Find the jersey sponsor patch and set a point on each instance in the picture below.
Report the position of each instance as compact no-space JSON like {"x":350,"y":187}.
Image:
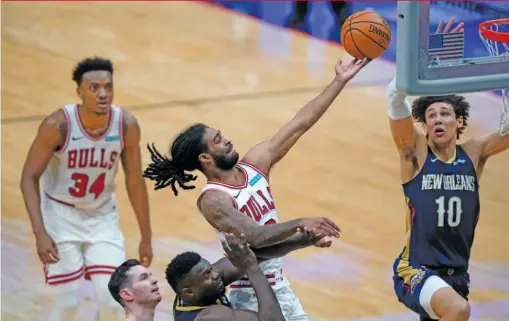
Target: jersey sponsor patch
{"x":255,"y":179}
{"x":113,"y":138}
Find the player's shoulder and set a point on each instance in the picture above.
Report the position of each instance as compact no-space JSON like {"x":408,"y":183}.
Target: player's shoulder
{"x":127,"y":117}
{"x":57,"y":119}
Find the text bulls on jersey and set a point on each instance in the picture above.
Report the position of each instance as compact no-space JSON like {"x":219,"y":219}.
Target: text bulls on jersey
{"x":259,"y":204}
{"x":91,"y":158}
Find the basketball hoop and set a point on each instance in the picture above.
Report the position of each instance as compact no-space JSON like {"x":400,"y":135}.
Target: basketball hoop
{"x":497,"y":44}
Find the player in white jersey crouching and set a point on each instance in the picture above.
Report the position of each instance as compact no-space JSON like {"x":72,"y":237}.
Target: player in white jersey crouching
{"x":74,"y":217}
{"x":237,"y":197}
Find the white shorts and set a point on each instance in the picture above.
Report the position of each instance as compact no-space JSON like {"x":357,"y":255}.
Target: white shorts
{"x":87,"y":243}
{"x":245,"y":298}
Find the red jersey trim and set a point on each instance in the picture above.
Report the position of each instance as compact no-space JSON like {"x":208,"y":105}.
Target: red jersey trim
{"x":80,"y":124}
{"x":254,"y":167}
{"x":67,"y":134}
{"x":241,"y":186}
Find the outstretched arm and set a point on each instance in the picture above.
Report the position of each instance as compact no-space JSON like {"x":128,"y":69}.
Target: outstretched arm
{"x":135,"y":185}
{"x":219,"y":211}
{"x":480,"y":149}
{"x":268,"y":153}
{"x":404,"y":133}
{"x":493,"y":144}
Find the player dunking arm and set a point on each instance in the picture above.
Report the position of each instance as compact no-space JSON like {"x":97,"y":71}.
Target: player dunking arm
{"x":237,"y":197}
{"x":440,"y":181}
{"x":73,"y":214}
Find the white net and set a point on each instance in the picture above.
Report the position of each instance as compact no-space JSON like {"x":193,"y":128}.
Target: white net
{"x":497,"y":49}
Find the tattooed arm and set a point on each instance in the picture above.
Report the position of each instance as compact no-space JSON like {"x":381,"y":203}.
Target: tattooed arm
{"x":221,"y":214}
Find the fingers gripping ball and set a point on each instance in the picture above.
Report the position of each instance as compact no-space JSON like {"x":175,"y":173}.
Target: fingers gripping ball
{"x":365,"y":34}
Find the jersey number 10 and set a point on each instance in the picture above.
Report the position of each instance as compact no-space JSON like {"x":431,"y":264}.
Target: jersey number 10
{"x":453,"y":211}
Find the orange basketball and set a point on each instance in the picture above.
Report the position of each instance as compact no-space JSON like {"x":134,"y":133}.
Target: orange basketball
{"x":365,"y":34}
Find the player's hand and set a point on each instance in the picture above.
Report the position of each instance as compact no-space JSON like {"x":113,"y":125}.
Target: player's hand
{"x":441,"y":29}
{"x":145,"y":251}
{"x":238,"y":251}
{"x":46,"y":248}
{"x":345,"y":72}
{"x":315,"y":238}
{"x":319,"y":226}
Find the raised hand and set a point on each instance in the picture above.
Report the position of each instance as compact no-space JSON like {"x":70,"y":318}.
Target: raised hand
{"x":238,"y":251}
{"x":319,"y":226}
{"x":441,"y":29}
{"x":345,"y":72}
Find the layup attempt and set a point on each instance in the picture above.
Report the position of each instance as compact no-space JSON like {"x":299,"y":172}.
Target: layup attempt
{"x":237,"y":198}
{"x":441,"y":185}
{"x":74,"y":216}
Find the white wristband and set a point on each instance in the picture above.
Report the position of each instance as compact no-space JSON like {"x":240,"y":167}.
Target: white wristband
{"x":398,"y":106}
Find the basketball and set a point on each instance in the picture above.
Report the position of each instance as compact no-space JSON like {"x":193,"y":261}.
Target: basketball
{"x":365,"y":34}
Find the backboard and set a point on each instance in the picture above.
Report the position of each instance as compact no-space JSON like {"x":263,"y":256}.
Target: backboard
{"x":423,"y":69}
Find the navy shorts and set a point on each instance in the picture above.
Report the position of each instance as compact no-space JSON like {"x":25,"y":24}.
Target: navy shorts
{"x":408,"y":294}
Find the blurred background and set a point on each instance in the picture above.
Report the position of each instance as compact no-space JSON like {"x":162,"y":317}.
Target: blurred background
{"x":245,"y":68}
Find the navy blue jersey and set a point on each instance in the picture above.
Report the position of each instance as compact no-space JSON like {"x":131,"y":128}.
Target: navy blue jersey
{"x":443,"y":208}
{"x":188,"y":312}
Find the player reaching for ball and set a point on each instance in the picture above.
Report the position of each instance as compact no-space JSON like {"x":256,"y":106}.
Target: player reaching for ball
{"x":238,"y":196}
{"x":441,"y":186}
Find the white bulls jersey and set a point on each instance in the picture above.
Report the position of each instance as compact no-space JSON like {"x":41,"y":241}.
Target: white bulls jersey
{"x":254,"y":199}
{"x":82,"y":173}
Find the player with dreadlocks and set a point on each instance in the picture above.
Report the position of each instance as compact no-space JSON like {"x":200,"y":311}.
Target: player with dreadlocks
{"x":237,"y":198}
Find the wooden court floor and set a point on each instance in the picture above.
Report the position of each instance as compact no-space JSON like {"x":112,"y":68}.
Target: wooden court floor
{"x":247,"y":79}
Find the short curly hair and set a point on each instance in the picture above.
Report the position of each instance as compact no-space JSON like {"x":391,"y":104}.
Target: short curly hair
{"x":459,"y":104}
{"x":91,"y":64}
{"x":179,"y":267}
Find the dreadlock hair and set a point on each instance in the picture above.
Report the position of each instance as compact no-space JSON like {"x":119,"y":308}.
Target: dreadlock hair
{"x":179,"y":267}
{"x":120,"y":280}
{"x":185,"y":150}
{"x":459,"y":104}
{"x":90,"y":64}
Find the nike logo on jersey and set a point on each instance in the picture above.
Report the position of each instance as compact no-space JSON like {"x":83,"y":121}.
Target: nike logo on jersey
{"x":77,"y":138}
{"x":434,"y":159}
{"x":237,"y":194}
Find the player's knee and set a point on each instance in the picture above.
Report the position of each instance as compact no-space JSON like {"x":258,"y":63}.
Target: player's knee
{"x":102,"y":294}
{"x":460,"y":310}
{"x":65,"y":295}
